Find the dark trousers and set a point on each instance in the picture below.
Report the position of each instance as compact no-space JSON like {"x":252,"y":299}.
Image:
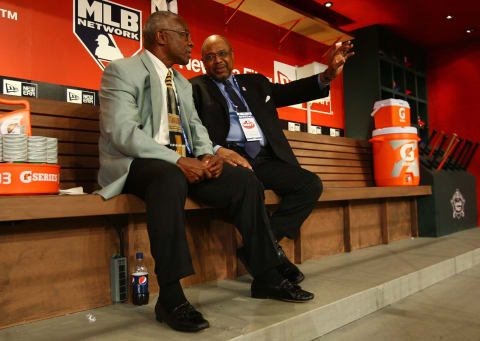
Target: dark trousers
{"x":298,"y":187}
{"x":164,"y":188}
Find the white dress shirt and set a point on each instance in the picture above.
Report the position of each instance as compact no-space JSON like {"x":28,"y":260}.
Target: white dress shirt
{"x":163,"y":135}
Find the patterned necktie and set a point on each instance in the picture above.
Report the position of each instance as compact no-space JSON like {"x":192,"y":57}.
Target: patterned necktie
{"x":252,"y":148}
{"x":177,"y":140}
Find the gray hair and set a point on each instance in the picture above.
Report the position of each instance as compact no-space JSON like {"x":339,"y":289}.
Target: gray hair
{"x":154,"y":23}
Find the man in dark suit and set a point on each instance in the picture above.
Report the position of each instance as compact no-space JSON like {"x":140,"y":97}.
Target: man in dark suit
{"x":240,"y":115}
{"x":153,"y":145}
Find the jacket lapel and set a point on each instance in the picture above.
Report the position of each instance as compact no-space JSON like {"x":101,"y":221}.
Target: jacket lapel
{"x":248,"y":95}
{"x":217,"y":94}
{"x":155,"y":91}
{"x":245,"y":93}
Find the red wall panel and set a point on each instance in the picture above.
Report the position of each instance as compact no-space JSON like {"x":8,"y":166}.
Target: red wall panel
{"x":453,"y":86}
{"x":41,"y":46}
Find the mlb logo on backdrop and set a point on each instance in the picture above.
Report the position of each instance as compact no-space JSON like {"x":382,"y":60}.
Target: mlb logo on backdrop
{"x":107,"y":30}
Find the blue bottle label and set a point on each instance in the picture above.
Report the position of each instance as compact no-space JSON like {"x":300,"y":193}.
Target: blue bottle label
{"x":140,"y":283}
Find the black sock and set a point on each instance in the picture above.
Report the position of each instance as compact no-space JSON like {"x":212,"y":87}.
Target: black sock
{"x":271,"y":276}
{"x":171,"y":295}
{"x":278,"y":236}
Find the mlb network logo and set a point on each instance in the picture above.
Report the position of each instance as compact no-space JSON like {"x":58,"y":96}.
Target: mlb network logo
{"x":80,"y":96}
{"x":108,"y":30}
{"x":17,"y":88}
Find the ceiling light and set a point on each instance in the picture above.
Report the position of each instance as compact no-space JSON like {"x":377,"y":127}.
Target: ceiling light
{"x":329,"y":4}
{"x":470,"y":30}
{"x":450,"y":17}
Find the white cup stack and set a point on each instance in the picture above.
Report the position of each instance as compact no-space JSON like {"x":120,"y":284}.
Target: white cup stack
{"x":52,"y":150}
{"x":37,"y":149}
{"x":15,"y":147}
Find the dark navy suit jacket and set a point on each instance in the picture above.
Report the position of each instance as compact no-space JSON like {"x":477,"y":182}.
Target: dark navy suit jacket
{"x":263,"y":98}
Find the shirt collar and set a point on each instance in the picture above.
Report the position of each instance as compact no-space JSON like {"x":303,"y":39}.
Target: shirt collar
{"x":230,"y":79}
{"x":162,"y":70}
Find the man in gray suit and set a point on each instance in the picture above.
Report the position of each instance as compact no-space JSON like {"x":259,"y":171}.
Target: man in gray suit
{"x":153,"y":145}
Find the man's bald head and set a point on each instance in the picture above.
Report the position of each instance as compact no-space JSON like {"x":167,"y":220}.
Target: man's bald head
{"x":217,"y":57}
{"x":212,"y":39}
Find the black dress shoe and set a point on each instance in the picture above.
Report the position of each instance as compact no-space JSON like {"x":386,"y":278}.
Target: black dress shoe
{"x":183,"y":318}
{"x":285,"y":291}
{"x":287,"y":269}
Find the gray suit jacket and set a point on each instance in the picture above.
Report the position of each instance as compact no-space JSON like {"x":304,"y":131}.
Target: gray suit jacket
{"x":130,"y":102}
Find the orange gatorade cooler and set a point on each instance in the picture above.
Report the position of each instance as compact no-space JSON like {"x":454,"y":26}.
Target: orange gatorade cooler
{"x":18,"y":121}
{"x":395,"y":156}
{"x":29,"y":178}
{"x":391,"y":113}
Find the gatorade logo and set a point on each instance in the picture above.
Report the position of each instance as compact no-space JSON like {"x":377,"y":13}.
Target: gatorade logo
{"x":402,"y":114}
{"x":404,"y":157}
{"x":406,"y":152}
{"x":108,"y":30}
{"x":26,"y":177}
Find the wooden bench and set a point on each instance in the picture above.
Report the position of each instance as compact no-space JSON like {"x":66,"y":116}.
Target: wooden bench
{"x":37,"y":231}
{"x":343,"y":164}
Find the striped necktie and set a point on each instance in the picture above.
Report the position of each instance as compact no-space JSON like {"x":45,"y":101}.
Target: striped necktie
{"x":177,"y":140}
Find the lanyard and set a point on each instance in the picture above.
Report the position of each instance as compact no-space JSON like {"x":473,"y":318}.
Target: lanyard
{"x":240,"y":96}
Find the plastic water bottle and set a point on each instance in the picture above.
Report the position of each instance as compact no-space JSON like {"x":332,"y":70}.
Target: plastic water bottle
{"x":140,"y":281}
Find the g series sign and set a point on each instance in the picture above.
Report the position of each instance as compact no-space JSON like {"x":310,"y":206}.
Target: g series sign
{"x":107,"y":30}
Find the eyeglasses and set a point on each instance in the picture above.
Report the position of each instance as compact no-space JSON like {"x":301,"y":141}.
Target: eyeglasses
{"x":212,"y":56}
{"x":183,"y":33}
